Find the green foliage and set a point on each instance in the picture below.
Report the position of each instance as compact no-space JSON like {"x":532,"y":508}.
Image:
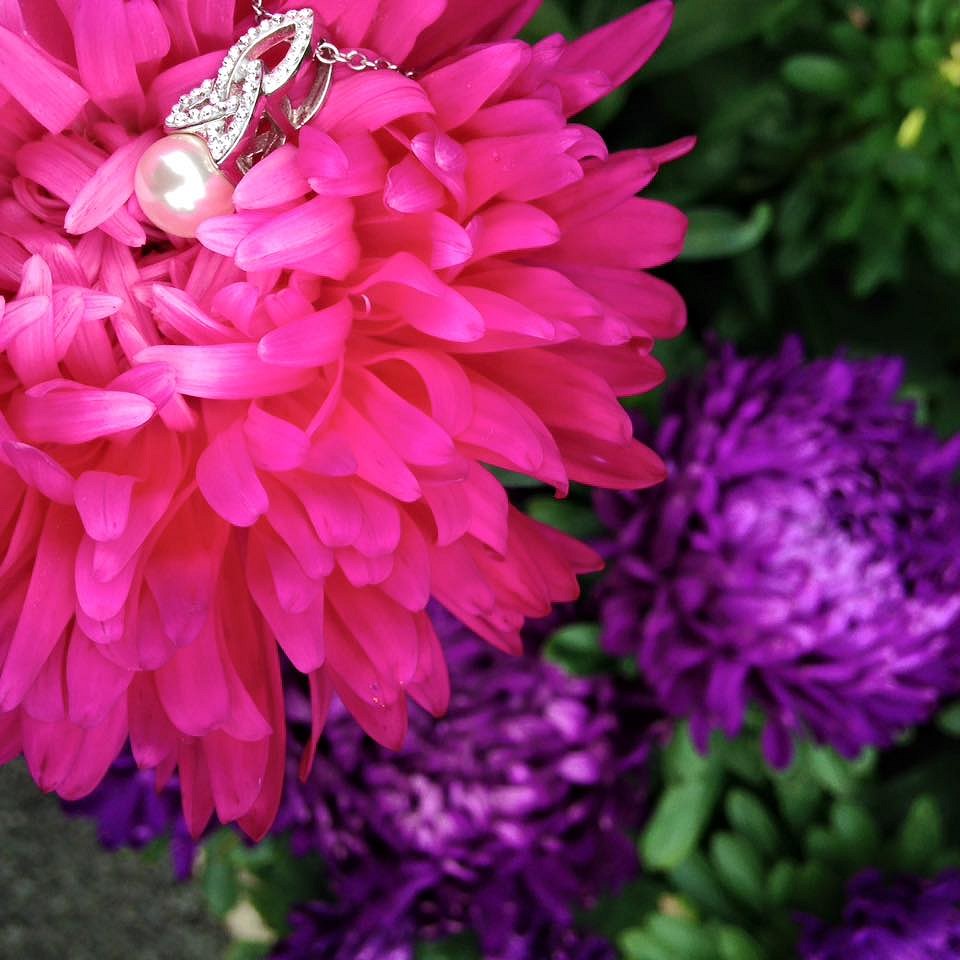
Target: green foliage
{"x":739,"y":848}
{"x":265,"y":877}
{"x":455,"y":948}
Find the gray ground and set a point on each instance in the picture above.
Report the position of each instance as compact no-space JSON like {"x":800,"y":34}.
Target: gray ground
{"x":63,"y":898}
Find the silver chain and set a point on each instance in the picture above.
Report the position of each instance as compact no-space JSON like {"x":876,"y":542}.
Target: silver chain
{"x":330,"y":54}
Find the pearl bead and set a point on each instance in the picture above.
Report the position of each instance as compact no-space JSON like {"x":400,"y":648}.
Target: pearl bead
{"x":179,"y":186}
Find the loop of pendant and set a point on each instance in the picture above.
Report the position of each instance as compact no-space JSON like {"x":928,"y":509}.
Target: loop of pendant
{"x":246,"y":112}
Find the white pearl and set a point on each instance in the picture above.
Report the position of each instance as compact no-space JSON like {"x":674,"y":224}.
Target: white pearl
{"x":179,"y":186}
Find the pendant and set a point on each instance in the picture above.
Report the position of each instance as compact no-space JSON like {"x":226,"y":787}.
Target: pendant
{"x":218,"y":131}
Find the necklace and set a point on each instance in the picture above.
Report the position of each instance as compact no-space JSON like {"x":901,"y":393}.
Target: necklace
{"x":218,"y":131}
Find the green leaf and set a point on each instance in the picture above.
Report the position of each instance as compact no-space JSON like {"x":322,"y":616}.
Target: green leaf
{"x":698,"y":31}
{"x":683,"y":936}
{"x":715,"y":233}
{"x":781,"y":882}
{"x":749,"y":817}
{"x":573,"y":518}
{"x":818,"y":74}
{"x":831,"y":771}
{"x":696,"y":879}
{"x":456,"y":948}
{"x":514,"y":481}
{"x":220,"y":885}
{"x":683,"y":761}
{"x":921,"y":836}
{"x":857,"y":832}
{"x":551,"y":18}
{"x":736,"y":944}
{"x":948,"y":719}
{"x":678,"y":822}
{"x":638,"y":944}
{"x":241,"y":950}
{"x":800,"y":797}
{"x":576,"y":649}
{"x":817,"y":887}
{"x":739,"y":868}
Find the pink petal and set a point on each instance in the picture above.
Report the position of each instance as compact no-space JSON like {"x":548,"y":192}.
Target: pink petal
{"x":192,"y":687}
{"x":51,"y":97}
{"x":20,"y":315}
{"x":467,"y":22}
{"x":47,"y":608}
{"x":195,"y":787}
{"x":274,"y":444}
{"x":314,"y":236}
{"x":226,"y":371}
{"x":66,"y":412}
{"x":237,"y":772}
{"x":100,"y":599}
{"x":507,"y":227}
{"x":228,"y":479}
{"x":103,"y":502}
{"x":461,"y":88}
{"x":651,"y":304}
{"x":311,"y":342}
{"x":148,"y":32}
{"x":430,"y":685}
{"x":408,"y":287}
{"x":39,"y":470}
{"x":105,"y":58}
{"x":371,"y":101}
{"x":300,"y":634}
{"x":178,"y":313}
{"x":224,"y":235}
{"x":109,"y":188}
{"x":408,"y":582}
{"x":275,"y":180}
{"x":642,"y":233}
{"x":181,"y":572}
{"x":94,"y":684}
{"x":616,"y":51}
{"x":414,"y":435}
{"x":152,"y":736}
{"x":386,"y":632}
{"x":433,"y":238}
{"x":610,"y":466}
{"x":46,"y":699}
{"x":377,"y":462}
{"x":410,"y":188}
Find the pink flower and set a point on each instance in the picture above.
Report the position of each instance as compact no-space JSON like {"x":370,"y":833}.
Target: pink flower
{"x":278,"y":437}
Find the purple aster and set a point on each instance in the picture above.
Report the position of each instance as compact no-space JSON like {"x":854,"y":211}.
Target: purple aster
{"x":129,"y":811}
{"x":904,"y":918}
{"x":501,"y":819}
{"x":803,"y":555}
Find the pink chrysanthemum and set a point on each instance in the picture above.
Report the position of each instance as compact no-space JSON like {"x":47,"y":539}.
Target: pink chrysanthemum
{"x":277,"y":437}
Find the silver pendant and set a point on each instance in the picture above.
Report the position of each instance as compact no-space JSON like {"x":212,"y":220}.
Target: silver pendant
{"x":244,"y":113}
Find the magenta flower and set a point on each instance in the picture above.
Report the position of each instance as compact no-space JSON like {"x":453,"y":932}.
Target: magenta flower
{"x":803,"y":555}
{"x":277,"y":437}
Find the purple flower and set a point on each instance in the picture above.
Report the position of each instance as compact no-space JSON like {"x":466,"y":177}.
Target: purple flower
{"x":501,"y":819}
{"x":129,"y":811}
{"x":904,"y":918}
{"x":803,"y":555}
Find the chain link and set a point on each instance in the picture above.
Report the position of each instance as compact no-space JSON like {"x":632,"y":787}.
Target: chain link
{"x":330,"y":54}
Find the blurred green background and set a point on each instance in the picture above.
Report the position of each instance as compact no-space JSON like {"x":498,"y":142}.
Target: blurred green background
{"x":824,"y":193}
